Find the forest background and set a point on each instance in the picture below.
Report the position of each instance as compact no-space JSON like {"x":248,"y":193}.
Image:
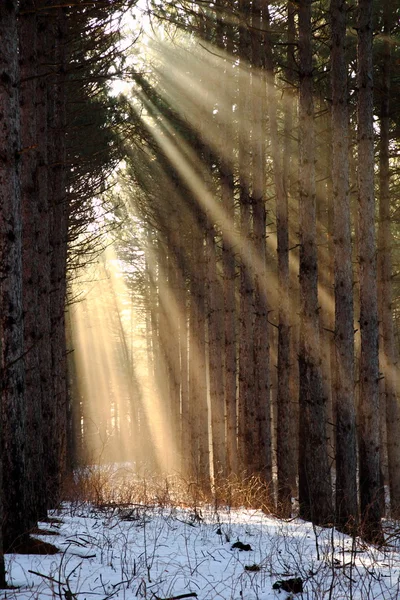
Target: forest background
{"x":198,"y":275}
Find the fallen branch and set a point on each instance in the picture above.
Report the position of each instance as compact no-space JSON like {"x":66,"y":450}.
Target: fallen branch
{"x":46,"y":577}
{"x":190,"y":595}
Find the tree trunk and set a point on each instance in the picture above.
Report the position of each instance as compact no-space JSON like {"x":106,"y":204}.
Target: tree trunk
{"x":58,"y":235}
{"x":30,"y":258}
{"x":15,"y":523}
{"x":285,"y":448}
{"x":287,"y":425}
{"x":43,"y":229}
{"x":247,"y":435}
{"x":228,"y":261}
{"x":315,"y":493}
{"x":389,"y":356}
{"x":346,"y":448}
{"x":197,"y":362}
{"x":369,"y":450}
{"x":173,"y":341}
{"x":215,"y":359}
{"x":185,"y":437}
{"x":263,"y":465}
{"x":162,"y":362}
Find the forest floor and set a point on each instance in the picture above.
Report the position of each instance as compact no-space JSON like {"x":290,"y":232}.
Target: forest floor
{"x":155,"y":551}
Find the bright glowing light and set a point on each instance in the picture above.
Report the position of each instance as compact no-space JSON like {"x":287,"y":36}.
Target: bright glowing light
{"x":129,"y":358}
{"x":124,"y":417}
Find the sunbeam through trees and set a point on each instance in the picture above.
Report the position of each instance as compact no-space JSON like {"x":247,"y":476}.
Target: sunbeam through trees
{"x":199,"y":234}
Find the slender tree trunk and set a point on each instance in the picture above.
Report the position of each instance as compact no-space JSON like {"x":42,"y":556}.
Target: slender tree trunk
{"x":287,"y":434}
{"x":75,"y":447}
{"x":185,"y":436}
{"x":15,"y":523}
{"x":30,"y":258}
{"x":58,"y":235}
{"x":315,"y":493}
{"x":215,"y":358}
{"x":285,"y":455}
{"x":11,"y":325}
{"x":346,"y":450}
{"x":261,"y":331}
{"x":246,"y":409}
{"x":389,"y":355}
{"x":369,"y":444}
{"x":197,"y":362}
{"x":325,"y":273}
{"x":43,"y":246}
{"x":229,"y":262}
{"x":162,"y":366}
{"x":173,"y":342}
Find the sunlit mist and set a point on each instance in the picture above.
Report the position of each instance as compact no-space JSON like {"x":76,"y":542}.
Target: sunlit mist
{"x":122,"y":415}
{"x":141,"y":351}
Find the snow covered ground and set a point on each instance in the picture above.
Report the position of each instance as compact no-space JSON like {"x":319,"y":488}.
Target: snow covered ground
{"x":149,"y":552}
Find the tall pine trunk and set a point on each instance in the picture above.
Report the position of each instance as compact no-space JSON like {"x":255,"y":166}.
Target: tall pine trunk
{"x":30,"y":258}
{"x":58,"y":234}
{"x":246,"y":408}
{"x":263,"y":464}
{"x":287,"y":426}
{"x":15,"y":522}
{"x":43,"y":246}
{"x":369,"y":442}
{"x":346,"y":450}
{"x":389,"y":355}
{"x":215,"y":325}
{"x":315,"y":494}
{"x":285,"y":455}
{"x":228,"y":255}
{"x":198,"y":419}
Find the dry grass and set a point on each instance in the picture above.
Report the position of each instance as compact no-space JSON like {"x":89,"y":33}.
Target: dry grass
{"x":108,"y":485}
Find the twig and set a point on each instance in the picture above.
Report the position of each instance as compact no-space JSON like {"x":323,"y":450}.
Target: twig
{"x":190,"y":595}
{"x":46,"y":577}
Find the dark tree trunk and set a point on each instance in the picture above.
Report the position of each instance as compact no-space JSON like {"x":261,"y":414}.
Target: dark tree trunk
{"x":30,"y":259}
{"x":287,"y":426}
{"x":389,"y":354}
{"x":55,"y":401}
{"x":43,"y":249}
{"x":15,"y":521}
{"x":197,"y":361}
{"x":346,"y":450}
{"x":263,"y":466}
{"x":228,"y":258}
{"x":247,"y":433}
{"x":369,"y":442}
{"x":285,"y":454}
{"x":315,"y":493}
{"x":215,"y":323}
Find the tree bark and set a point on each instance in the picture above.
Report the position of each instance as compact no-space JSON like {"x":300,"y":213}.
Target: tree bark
{"x":263,"y":465}
{"x":30,"y":258}
{"x":58,"y":236}
{"x":389,"y":355}
{"x":15,"y":522}
{"x":215,"y":359}
{"x":315,"y":494}
{"x":369,"y":443}
{"x":285,"y":448}
{"x":346,"y":448}
{"x":43,"y":248}
{"x":228,"y":255}
{"x":247,"y":434}
{"x":287,"y":427}
{"x":197,"y":362}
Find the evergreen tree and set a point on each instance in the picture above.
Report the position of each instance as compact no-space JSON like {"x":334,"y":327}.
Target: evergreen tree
{"x":369,"y":443}
{"x":315,"y":494}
